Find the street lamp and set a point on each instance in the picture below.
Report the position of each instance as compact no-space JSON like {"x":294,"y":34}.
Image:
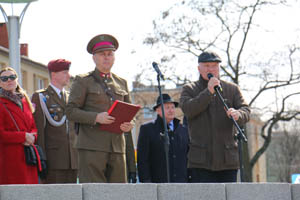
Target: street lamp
{"x":14,"y":25}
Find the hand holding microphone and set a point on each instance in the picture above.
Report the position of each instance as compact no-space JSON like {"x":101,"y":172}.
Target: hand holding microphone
{"x":213,"y":84}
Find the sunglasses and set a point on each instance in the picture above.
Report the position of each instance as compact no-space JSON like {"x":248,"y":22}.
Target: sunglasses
{"x":5,"y":78}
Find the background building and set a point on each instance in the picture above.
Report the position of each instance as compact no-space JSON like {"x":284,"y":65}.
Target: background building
{"x":34,"y":74}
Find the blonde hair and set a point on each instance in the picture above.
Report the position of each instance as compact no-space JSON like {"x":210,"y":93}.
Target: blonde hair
{"x":19,"y":88}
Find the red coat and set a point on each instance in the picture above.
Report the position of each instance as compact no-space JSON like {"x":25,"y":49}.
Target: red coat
{"x":13,"y":169}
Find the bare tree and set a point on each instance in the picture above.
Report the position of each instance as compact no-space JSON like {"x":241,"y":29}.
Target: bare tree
{"x":191,"y":27}
{"x":283,"y":153}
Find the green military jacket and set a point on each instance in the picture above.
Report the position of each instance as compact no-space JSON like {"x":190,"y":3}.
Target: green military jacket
{"x":87,"y":99}
{"x":56,"y":141}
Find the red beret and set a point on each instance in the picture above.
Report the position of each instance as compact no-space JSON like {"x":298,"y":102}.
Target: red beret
{"x":58,"y":65}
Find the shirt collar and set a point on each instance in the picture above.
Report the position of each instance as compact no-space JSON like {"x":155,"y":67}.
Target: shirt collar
{"x":171,"y":125}
{"x":56,"y":89}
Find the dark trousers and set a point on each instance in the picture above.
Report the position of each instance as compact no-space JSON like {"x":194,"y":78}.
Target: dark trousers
{"x":207,"y":176}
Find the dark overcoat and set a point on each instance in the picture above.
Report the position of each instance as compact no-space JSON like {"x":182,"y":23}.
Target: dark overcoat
{"x":151,"y":153}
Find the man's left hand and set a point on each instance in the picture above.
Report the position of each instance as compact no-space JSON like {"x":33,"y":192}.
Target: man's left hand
{"x":126,"y":126}
{"x":235,"y":114}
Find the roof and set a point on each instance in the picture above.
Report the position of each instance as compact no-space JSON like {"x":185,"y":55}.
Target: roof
{"x":24,"y":59}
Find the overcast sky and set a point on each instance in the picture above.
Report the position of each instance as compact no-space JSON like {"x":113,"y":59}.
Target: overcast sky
{"x":62,"y":28}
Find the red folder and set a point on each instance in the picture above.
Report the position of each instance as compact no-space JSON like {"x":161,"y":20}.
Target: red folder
{"x":122,"y":112}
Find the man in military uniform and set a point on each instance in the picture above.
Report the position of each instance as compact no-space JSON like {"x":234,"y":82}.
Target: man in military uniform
{"x":102,"y":155}
{"x":55,"y":133}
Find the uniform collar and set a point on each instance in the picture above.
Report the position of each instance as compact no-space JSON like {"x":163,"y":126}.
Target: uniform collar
{"x":57,"y":90}
{"x":105,"y":75}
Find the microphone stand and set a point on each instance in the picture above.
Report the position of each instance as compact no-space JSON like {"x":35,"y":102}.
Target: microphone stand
{"x":165,"y":134}
{"x":240,"y":136}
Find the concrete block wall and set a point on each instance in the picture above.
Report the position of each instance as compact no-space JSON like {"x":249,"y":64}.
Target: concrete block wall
{"x":195,"y":191}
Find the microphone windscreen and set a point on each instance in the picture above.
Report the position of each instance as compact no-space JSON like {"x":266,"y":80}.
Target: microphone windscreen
{"x":209,"y":75}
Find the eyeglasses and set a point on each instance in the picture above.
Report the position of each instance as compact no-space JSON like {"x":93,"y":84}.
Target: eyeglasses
{"x":5,"y":78}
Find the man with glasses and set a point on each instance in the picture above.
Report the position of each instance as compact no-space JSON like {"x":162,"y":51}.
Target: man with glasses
{"x":102,"y":155}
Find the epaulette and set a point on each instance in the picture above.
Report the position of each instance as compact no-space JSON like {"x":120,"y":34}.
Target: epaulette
{"x":41,"y":90}
{"x":86,"y":74}
{"x":118,"y":77}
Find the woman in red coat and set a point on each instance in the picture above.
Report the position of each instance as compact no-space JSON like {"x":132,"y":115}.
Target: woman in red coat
{"x":15,"y":104}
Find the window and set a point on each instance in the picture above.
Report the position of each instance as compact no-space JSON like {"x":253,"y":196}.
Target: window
{"x":40,"y":83}
{"x":148,"y":112}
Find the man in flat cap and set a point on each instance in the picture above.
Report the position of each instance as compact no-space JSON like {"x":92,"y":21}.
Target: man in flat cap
{"x":213,"y":155}
{"x":56,"y":134}
{"x":152,"y":166}
{"x":102,"y":154}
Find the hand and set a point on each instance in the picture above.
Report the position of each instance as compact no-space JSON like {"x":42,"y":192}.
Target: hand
{"x":26,"y":144}
{"x":212,"y":83}
{"x":29,"y":139}
{"x":126,"y":126}
{"x":132,"y":177}
{"x":235,"y":114}
{"x":104,"y":118}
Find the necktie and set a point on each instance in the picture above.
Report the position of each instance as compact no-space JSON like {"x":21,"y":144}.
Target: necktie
{"x":62,"y":95}
{"x":170,"y":125}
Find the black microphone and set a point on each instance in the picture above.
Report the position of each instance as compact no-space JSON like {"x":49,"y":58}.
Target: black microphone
{"x":155,"y":66}
{"x":217,"y":87}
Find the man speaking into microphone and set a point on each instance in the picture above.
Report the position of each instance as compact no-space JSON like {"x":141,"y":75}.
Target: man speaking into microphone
{"x":213,"y":154}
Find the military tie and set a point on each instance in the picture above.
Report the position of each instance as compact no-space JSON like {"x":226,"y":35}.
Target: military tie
{"x":62,"y":95}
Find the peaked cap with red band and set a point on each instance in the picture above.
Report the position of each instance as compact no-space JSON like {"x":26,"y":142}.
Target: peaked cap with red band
{"x":102,"y":42}
{"x":58,"y":65}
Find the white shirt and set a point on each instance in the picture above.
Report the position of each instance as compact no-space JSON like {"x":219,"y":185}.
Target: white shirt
{"x":57,"y":90}
{"x":171,"y":125}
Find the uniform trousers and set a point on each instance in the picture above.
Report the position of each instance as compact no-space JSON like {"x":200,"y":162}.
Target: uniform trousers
{"x":61,"y":176}
{"x":101,"y":167}
{"x":197,"y":175}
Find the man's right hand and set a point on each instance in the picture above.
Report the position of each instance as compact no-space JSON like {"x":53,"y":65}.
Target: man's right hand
{"x":104,"y":118}
{"x":212,"y":83}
